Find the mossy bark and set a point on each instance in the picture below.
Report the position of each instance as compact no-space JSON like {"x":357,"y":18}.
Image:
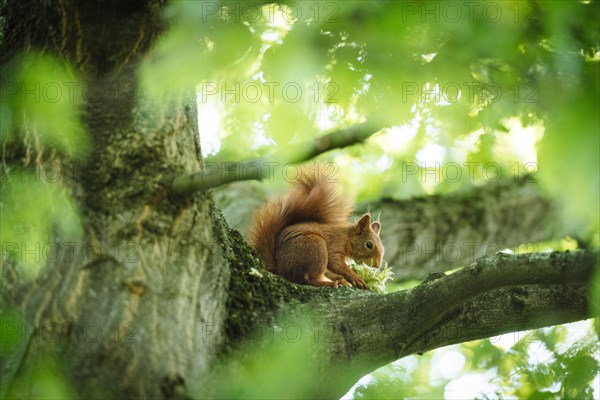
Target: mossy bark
{"x":136,"y":307}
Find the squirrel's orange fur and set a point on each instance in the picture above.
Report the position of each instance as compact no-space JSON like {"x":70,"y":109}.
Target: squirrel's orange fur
{"x":305,"y":236}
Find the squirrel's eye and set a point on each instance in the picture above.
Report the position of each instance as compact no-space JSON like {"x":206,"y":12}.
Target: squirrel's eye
{"x":369,"y":245}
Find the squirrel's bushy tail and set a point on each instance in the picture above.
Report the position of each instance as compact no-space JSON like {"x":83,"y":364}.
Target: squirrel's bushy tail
{"x":312,"y":199}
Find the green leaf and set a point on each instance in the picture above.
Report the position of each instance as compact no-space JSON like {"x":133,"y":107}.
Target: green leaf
{"x":485,"y":354}
{"x":556,"y":335}
{"x":581,"y":370}
{"x":202,"y":42}
{"x":42,"y":96}
{"x":35,"y":212}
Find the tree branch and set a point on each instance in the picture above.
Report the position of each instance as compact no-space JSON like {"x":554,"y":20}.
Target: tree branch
{"x":356,"y":331}
{"x":435,"y":233}
{"x":525,"y":291}
{"x":507,"y":310}
{"x":216,"y":175}
{"x":500,"y":270}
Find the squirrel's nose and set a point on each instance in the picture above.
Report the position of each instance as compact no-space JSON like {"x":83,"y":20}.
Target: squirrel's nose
{"x":375,"y":264}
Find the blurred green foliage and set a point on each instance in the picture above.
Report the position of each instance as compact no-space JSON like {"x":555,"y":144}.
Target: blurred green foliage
{"x":40,"y":110}
{"x":34,"y":212}
{"x":43,"y":379}
{"x":549,"y":363}
{"x":467,"y":89}
{"x":42,"y":96}
{"x":11,"y":331}
{"x":279,"y":363}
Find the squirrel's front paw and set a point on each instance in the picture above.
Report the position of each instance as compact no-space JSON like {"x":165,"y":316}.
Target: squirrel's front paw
{"x":357,"y":281}
{"x":344,"y":282}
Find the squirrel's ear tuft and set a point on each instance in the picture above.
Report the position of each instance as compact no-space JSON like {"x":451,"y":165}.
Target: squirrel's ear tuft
{"x":363,"y":223}
{"x":376,"y":226}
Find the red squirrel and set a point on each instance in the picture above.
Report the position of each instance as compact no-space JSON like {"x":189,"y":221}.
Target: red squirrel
{"x":305,"y":236}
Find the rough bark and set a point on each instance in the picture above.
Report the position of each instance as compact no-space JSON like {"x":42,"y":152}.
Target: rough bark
{"x":149,"y":276}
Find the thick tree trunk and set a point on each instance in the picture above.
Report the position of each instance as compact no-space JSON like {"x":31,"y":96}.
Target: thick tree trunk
{"x":133,"y":308}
